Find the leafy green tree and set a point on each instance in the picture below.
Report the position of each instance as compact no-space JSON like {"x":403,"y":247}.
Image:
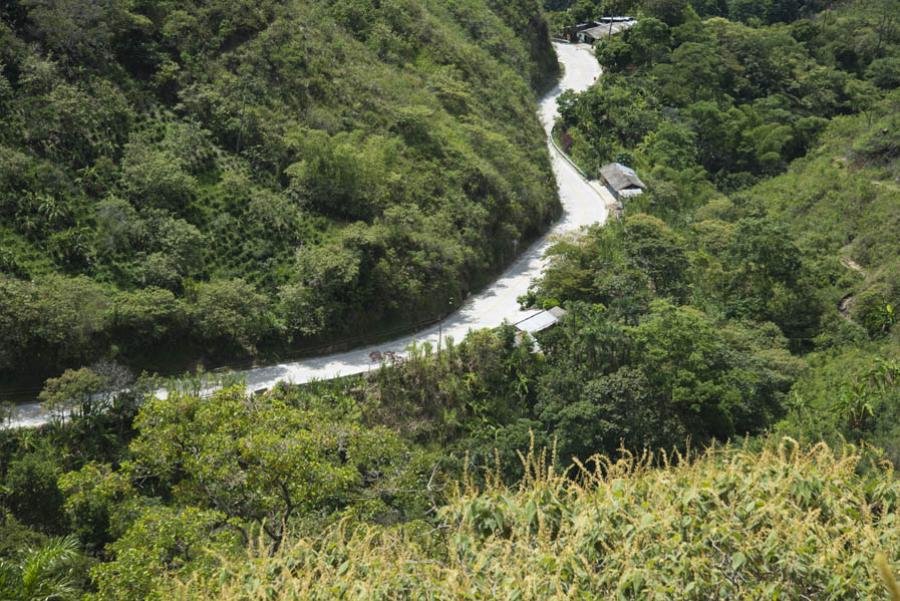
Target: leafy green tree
{"x":873,"y":309}
{"x":80,"y":30}
{"x":657,"y":250}
{"x":884,"y":72}
{"x":30,"y":489}
{"x":149,"y":315}
{"x":231,"y":313}
{"x":650,"y":40}
{"x":162,"y":541}
{"x":344,"y":176}
{"x":51,"y":321}
{"x":96,"y":504}
{"x":677,"y":374}
{"x":768,"y":280}
{"x":258,"y":461}
{"x":710,"y":8}
{"x":324,"y":278}
{"x":120,"y":229}
{"x":671,"y":12}
{"x":688,"y":363}
{"x":156,"y":178}
{"x":613,"y":411}
{"x":747,"y":10}
{"x":75,"y":394}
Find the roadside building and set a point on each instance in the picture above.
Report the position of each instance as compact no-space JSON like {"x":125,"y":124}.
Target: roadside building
{"x":540,"y":321}
{"x":604,"y":28}
{"x":621,"y":181}
{"x":592,"y":35}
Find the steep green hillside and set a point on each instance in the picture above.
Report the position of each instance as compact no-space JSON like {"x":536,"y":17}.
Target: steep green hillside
{"x":842,"y":204}
{"x":843,"y":200}
{"x":783,"y":523}
{"x":230,"y":175}
{"x":770,"y":152}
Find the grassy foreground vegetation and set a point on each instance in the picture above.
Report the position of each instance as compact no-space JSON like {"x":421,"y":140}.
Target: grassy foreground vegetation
{"x":779,"y":522}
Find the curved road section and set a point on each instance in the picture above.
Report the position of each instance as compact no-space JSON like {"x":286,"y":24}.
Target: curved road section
{"x":583,"y":204}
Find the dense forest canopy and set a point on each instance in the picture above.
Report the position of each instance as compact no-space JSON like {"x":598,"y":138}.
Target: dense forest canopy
{"x":749,"y":294}
{"x":234,"y":175}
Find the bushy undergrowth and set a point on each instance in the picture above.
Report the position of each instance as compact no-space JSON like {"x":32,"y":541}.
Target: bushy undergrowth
{"x":733,"y":523}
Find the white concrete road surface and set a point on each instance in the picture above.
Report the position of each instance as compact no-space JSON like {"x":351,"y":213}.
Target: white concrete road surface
{"x":583,"y":204}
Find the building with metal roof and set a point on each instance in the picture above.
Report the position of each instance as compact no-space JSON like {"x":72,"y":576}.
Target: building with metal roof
{"x":541,"y":320}
{"x":621,"y":181}
{"x":606,"y":27}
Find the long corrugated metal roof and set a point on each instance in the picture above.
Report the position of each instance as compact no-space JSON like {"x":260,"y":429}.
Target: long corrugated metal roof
{"x":540,"y":321}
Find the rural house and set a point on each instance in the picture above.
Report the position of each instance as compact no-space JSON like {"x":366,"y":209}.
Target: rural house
{"x":621,"y":181}
{"x":604,"y":28}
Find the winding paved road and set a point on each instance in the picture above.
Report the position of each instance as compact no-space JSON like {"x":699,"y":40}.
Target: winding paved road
{"x":584,"y":203}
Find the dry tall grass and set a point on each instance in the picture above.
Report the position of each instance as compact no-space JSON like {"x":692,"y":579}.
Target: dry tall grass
{"x":783,"y":523}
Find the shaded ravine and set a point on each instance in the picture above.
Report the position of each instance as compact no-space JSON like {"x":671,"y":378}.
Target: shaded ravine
{"x":583,"y":204}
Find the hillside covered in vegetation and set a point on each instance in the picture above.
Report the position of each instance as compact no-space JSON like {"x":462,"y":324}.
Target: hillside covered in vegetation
{"x":714,"y":416}
{"x":220,"y":177}
{"x":771,"y":154}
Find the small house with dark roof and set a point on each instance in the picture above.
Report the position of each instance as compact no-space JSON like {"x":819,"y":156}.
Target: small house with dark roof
{"x":621,"y":181}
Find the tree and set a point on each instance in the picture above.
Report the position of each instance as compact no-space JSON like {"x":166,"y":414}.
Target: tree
{"x":884,"y":72}
{"x":715,"y":379}
{"x":325,"y":280}
{"x":261,"y":462}
{"x":181,"y":243}
{"x":30,"y":489}
{"x":616,"y":410}
{"x":96,"y":503}
{"x":748,"y":10}
{"x":156,"y":178}
{"x":162,"y":541}
{"x":148,"y":316}
{"x":342,"y":176}
{"x":75,"y":394}
{"x":51,"y":321}
{"x":232,"y":313}
{"x":657,"y":250}
{"x":119,"y":228}
{"x":768,"y":280}
{"x":670,"y":12}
